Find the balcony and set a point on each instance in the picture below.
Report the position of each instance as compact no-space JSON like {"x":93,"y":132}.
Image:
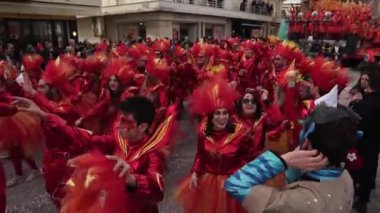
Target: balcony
{"x":95,"y":3}
{"x":64,"y":8}
{"x":220,"y":8}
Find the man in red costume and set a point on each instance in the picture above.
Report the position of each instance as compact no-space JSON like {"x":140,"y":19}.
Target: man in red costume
{"x":138,"y":158}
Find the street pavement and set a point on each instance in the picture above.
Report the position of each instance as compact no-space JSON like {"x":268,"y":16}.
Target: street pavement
{"x":31,"y":197}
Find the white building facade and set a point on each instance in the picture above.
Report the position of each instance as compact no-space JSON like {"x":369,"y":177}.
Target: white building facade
{"x":175,"y":19}
{"x":123,"y":19}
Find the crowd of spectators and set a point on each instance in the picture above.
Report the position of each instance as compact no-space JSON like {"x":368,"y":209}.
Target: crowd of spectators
{"x":257,"y":6}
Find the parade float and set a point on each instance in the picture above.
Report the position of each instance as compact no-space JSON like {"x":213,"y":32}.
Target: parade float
{"x":321,"y":25}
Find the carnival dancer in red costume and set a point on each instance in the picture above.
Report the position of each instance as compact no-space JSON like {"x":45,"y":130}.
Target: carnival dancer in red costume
{"x":234,"y":53}
{"x":246,"y":67}
{"x":184,"y":77}
{"x":155,"y":87}
{"x":91,"y":69}
{"x":299,"y":93}
{"x":201,"y":58}
{"x":20,"y":135}
{"x":249,"y":110}
{"x":119,"y":75}
{"x":138,"y":160}
{"x":54,"y":95}
{"x":161,"y":47}
{"x":33,"y":66}
{"x":223,"y":146}
{"x":220,"y":64}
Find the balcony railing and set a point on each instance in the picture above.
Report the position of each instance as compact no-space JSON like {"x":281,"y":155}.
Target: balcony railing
{"x":264,"y":9}
{"x":205,"y":3}
{"x":230,"y":5}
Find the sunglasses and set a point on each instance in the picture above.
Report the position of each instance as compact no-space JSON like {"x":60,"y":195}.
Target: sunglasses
{"x":248,"y":101}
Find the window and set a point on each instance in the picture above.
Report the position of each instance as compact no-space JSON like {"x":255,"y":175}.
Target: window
{"x":42,"y":30}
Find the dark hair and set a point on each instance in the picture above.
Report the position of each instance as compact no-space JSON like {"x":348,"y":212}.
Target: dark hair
{"x":210,"y":126}
{"x":239,"y":107}
{"x":372,"y":70}
{"x":374,"y":79}
{"x":334,"y":139}
{"x":140,"y":107}
{"x":118,"y":92}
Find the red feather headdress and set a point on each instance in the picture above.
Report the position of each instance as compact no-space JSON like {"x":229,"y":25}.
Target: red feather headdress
{"x":158,"y":68}
{"x":179,"y":51}
{"x":58,"y":73}
{"x":121,"y":69}
{"x":138,"y":51}
{"x":120,"y":50}
{"x":326,"y":74}
{"x":233,"y":41}
{"x":101,"y":47}
{"x":289,"y":51}
{"x":248,"y":44}
{"x":32,"y":63}
{"x":91,"y":64}
{"x":161,"y":45}
{"x":202,"y":49}
{"x":211,"y":95}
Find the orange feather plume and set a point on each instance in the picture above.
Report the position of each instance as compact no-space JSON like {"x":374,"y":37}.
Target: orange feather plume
{"x":213,"y":94}
{"x":94,"y":186}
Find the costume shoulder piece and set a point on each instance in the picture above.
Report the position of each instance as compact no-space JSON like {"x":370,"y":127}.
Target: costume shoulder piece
{"x":161,"y":138}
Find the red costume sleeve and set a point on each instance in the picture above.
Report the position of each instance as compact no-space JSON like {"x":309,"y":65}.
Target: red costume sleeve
{"x":64,"y":110}
{"x":78,"y":137}
{"x":15,"y":89}
{"x":7,"y":109}
{"x":198,"y":164}
{"x":99,"y":108}
{"x":255,"y":145}
{"x":162,"y":97}
{"x":150,"y":185}
{"x":290,"y":111}
{"x":274,"y":115}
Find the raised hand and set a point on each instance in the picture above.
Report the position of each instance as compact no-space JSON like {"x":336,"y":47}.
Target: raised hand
{"x":307,"y":160}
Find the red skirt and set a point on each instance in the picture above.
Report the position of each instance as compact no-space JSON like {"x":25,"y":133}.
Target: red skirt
{"x":21,"y":129}
{"x":209,"y":197}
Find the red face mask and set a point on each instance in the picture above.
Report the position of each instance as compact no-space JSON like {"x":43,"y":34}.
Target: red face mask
{"x":126,"y":122}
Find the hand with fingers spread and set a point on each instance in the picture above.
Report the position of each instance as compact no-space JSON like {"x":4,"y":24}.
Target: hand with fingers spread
{"x":307,"y":160}
{"x":122,"y":169}
{"x":27,"y":86}
{"x":27,"y":105}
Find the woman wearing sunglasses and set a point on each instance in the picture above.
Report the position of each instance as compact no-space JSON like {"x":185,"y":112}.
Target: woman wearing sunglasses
{"x":249,"y":112}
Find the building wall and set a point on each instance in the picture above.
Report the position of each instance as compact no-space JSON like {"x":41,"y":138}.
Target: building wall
{"x":74,"y":2}
{"x":86,"y":30}
{"x":49,"y":8}
{"x":161,"y":24}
